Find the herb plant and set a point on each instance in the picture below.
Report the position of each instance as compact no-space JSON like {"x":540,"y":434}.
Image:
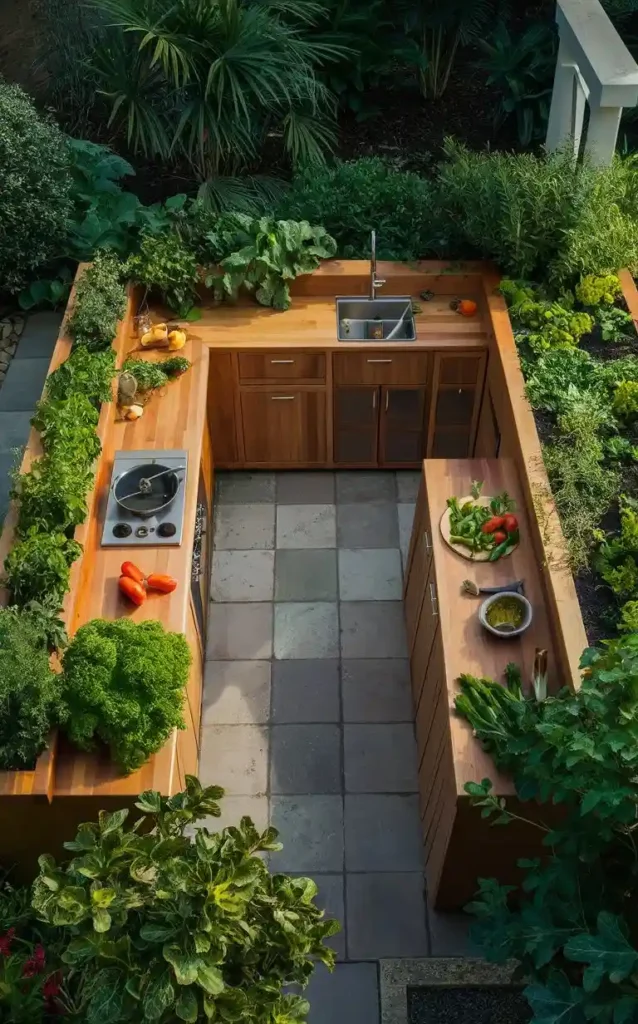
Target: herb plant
{"x":52,"y":496}
{"x":155,"y":375}
{"x":615,"y":324}
{"x":123,"y":683}
{"x":29,"y":691}
{"x":164,"y":264}
{"x":100,"y":301}
{"x":625,"y":403}
{"x":83,"y":373}
{"x":596,"y":290}
{"x":175,"y":923}
{"x":38,"y":566}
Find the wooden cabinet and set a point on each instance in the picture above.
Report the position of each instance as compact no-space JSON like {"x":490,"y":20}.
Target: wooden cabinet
{"x":383,"y":366}
{"x":356,"y":425}
{"x":402,"y":418}
{"x":379,"y":426}
{"x":221,"y":408}
{"x":302,"y":367}
{"x":284,"y":426}
{"x":457,"y":387}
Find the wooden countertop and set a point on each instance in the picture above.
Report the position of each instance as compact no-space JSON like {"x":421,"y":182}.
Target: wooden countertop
{"x":467,"y":646}
{"x":311,"y":323}
{"x":173,"y":418}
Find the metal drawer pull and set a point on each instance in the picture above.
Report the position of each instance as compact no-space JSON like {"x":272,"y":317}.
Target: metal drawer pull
{"x":282,"y":398}
{"x":374,"y":399}
{"x":277,"y":362}
{"x":433,"y":600}
{"x":426,"y":541}
{"x":387,"y":399}
{"x":379,"y":360}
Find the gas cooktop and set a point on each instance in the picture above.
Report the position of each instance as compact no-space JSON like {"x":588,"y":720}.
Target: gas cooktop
{"x":145,"y":506}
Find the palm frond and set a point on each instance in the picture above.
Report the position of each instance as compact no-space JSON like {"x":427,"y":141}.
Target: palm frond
{"x":252,"y":194}
{"x":307,"y":138}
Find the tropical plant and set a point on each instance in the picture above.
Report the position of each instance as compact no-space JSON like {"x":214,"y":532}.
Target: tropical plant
{"x":439,"y":29}
{"x":270,"y":255}
{"x":174,"y":922}
{"x":123,"y":683}
{"x":208,"y":81}
{"x":351,"y":198}
{"x":572,"y":923}
{"x":38,"y":566}
{"x":35,"y":197}
{"x":167,"y":266}
{"x":522,"y":70}
{"x":100,"y":301}
{"x":29,"y":691}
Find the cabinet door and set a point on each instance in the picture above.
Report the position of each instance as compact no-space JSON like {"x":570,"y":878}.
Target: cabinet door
{"x":424,"y":638}
{"x":457,"y":387}
{"x":402,"y":425}
{"x":284,"y":426}
{"x":222,"y":386}
{"x":356,"y":429}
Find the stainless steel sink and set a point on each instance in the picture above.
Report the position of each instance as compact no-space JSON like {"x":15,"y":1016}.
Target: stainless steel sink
{"x":370,"y":320}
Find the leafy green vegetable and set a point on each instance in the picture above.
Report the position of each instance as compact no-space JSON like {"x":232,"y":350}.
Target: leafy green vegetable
{"x":83,"y":373}
{"x":170,"y":921}
{"x":154,"y":375}
{"x":100,"y":301}
{"x":38,"y":566}
{"x":123,"y":683}
{"x":166,"y":265}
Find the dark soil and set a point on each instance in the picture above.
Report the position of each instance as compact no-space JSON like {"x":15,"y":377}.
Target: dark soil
{"x":468,"y":1006}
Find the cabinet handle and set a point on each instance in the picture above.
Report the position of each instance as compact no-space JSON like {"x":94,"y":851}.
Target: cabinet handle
{"x":426,"y":541}
{"x":387,"y":399}
{"x":374,"y":399}
{"x":379,"y":360}
{"x":277,"y":362}
{"x":282,"y":398}
{"x":433,"y":600}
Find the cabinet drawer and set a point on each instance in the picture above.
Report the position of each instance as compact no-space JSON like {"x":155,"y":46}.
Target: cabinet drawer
{"x":286,"y":365}
{"x":380,"y":367}
{"x":459,"y":370}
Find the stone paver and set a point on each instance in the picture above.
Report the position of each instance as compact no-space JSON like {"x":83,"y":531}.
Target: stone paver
{"x":235,"y":757}
{"x":367,"y":526}
{"x":386,"y":915}
{"x":350,"y":995}
{"x":306,"y":526}
{"x":370,"y":575}
{"x":14,"y":430}
{"x":306,"y":575}
{"x":306,"y":630}
{"x":372,"y":629}
{"x":245,"y":488}
{"x":239,"y":632}
{"x":242,"y":527}
{"x":243,"y":575}
{"x":408,"y":485}
{"x":312,"y":488}
{"x":40,"y":335}
{"x":449,"y":934}
{"x":23,"y":385}
{"x":380,"y":758}
{"x":383,"y":833}
{"x":376,"y":690}
{"x":311,"y":829}
{"x":365,"y":487}
{"x":305,"y":691}
{"x":305,"y":759}
{"x":234,"y":808}
{"x":406,"y":519}
{"x":236,"y":693}
{"x":330,"y":899}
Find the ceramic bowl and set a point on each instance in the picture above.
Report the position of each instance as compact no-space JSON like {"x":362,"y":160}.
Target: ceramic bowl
{"x":506,"y":634}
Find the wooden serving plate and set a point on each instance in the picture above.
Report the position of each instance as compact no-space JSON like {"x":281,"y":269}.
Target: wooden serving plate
{"x":471,"y":556}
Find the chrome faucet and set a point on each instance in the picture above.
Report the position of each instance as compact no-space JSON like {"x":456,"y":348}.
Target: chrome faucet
{"x":375,"y":282}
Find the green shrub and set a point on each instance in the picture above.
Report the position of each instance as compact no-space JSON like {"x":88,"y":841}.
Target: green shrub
{"x":165,"y":265}
{"x":29,"y":691}
{"x":35,"y":188}
{"x":350,"y":199}
{"x":615,"y":324}
{"x":593,"y":290}
{"x":617,"y":557}
{"x":558,"y":375}
{"x":38,"y":566}
{"x":123,"y":683}
{"x":83,"y":373}
{"x":52,"y":496}
{"x":169,"y":922}
{"x":100,"y":301}
{"x":625,"y":403}
{"x":67,"y":429}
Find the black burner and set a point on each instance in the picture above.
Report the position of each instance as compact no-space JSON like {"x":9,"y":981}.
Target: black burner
{"x":167,"y":529}
{"x":142,"y":531}
{"x":122,"y":530}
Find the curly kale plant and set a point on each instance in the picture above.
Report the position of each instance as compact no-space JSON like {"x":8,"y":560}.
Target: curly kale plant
{"x":123,"y":683}
{"x":170,"y":923}
{"x":29,"y":690}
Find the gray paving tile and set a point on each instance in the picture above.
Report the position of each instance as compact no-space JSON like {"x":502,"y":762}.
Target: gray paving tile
{"x":239,"y":631}
{"x":40,"y":335}
{"x":367,"y":526}
{"x":330,"y":899}
{"x":305,"y":759}
{"x":306,"y":575}
{"x":234,"y":808}
{"x":383,"y":833}
{"x":311,"y":830}
{"x":408,"y":481}
{"x":363,"y":486}
{"x":406,"y":519}
{"x":236,"y":693}
{"x":350,"y":995}
{"x":245,"y":488}
{"x":23,"y":384}
{"x":386,"y":915}
{"x":372,"y":629}
{"x":376,"y":690}
{"x":14,"y":430}
{"x":312,"y":488}
{"x":380,"y":759}
{"x":370,"y":574}
{"x":242,"y":527}
{"x":304,"y":630}
{"x":243,"y":575}
{"x":305,"y":691}
{"x":449,"y":934}
{"x":235,"y":757}
{"x":306,"y":526}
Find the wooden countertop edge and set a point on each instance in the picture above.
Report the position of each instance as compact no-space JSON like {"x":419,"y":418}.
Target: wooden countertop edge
{"x":559,"y":583}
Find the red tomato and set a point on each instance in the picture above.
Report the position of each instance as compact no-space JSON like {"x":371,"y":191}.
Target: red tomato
{"x":131,"y":570}
{"x":492,"y":524}
{"x":510,"y":523}
{"x":499,"y":537}
{"x":132,"y":589}
{"x":158,"y":581}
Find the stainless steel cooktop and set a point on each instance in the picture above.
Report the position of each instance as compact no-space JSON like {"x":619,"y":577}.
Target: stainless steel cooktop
{"x":145,"y":506}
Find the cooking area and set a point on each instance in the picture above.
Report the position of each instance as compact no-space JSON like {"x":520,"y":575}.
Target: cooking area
{"x":146,"y":498}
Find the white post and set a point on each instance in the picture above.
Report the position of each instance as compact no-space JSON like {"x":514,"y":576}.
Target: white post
{"x":602,"y":133}
{"x":562,"y":124}
{"x":580,"y":100}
